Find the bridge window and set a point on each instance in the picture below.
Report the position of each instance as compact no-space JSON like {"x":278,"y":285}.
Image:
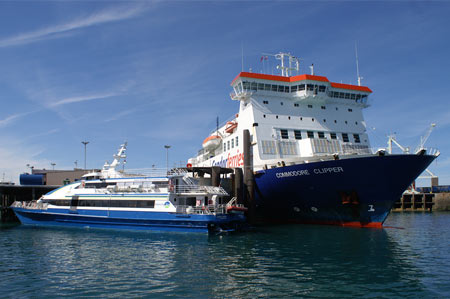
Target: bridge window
{"x":333,"y":135}
{"x":345,"y":137}
{"x":321,"y":135}
{"x":246,"y":85}
{"x":294,"y":88}
{"x":260,"y":86}
{"x":267,"y":86}
{"x":254,"y":86}
{"x":352,"y":96}
{"x":237,"y":141}
{"x":232,"y":143}
{"x":301,"y":87}
{"x":310,"y":87}
{"x":347,"y":96}
{"x":224,"y":146}
{"x":284,"y":134}
{"x":322,"y":88}
{"x":298,"y":134}
{"x":310,"y":134}
{"x":274,"y":87}
{"x":356,"y":137}
{"x":280,"y":88}
{"x":228,"y":144}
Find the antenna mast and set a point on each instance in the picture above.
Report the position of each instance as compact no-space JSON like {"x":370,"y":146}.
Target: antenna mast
{"x":286,"y":70}
{"x":357,"y":66}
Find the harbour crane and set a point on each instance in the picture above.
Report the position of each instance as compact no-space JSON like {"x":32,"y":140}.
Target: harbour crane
{"x":424,"y":138}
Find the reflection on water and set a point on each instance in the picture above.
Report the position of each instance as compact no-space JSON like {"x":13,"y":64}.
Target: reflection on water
{"x":299,"y":260}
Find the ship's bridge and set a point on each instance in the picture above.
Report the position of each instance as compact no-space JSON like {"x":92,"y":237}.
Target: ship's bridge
{"x":301,"y":88}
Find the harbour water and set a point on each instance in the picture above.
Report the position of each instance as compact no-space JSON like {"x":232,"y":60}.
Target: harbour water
{"x":409,"y":258}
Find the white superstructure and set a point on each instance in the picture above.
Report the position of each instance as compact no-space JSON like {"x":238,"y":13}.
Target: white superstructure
{"x":291,"y":119}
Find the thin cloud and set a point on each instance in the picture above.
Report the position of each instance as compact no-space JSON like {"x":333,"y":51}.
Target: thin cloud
{"x":56,"y":31}
{"x":82,"y":99}
{"x":10,"y":119}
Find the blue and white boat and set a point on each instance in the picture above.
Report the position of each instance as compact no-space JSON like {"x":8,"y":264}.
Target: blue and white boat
{"x":309,"y":150}
{"x":171,"y":201}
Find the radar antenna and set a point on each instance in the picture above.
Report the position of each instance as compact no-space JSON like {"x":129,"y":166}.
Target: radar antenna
{"x":293,"y":62}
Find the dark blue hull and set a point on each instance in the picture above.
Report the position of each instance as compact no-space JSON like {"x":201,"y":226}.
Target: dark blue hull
{"x":130,"y":220}
{"x":352,"y":192}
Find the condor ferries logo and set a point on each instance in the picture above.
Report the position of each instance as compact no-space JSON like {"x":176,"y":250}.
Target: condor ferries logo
{"x":230,"y":161}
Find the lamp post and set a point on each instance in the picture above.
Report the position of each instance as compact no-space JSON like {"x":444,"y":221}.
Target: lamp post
{"x":85,"y":143}
{"x":167,"y":157}
{"x":53,"y":165}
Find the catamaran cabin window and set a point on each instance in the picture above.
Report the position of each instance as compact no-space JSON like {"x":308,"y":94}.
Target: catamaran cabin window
{"x":345,"y":137}
{"x":298,"y":134}
{"x":310,"y":134}
{"x":356,"y":137}
{"x":284,"y":134}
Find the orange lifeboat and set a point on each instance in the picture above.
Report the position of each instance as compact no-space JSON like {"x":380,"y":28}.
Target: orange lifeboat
{"x":212,"y":142}
{"x":230,"y":127}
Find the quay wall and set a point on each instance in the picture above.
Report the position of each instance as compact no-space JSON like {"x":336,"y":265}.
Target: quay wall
{"x":442,"y":202}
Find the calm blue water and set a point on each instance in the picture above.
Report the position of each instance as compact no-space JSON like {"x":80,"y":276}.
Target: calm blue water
{"x":283,"y":261}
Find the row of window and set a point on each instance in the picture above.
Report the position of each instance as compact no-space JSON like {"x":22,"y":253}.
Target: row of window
{"x":104,"y":203}
{"x":321,"y":135}
{"x":231,"y":143}
{"x":265,"y":102}
{"x":309,"y":87}
{"x":313,"y":119}
{"x":347,"y":95}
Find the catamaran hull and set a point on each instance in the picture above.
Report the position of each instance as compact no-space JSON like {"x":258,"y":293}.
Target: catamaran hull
{"x":349,"y":192}
{"x":156,"y":221}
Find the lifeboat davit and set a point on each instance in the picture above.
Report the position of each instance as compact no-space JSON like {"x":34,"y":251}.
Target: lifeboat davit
{"x":230,"y":126}
{"x":212,"y":142}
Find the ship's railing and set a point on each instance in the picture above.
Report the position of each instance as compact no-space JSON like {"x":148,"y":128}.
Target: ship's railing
{"x":153,"y":172}
{"x":199,"y":189}
{"x":33,"y":205}
{"x":202,"y":210}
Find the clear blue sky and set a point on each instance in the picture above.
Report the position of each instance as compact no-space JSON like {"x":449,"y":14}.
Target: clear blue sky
{"x":158,"y":72}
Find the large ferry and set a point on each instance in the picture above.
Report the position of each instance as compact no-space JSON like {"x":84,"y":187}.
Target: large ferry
{"x":309,"y":150}
{"x":163,"y":201}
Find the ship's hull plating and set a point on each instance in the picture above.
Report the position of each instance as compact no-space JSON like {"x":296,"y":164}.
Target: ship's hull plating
{"x":129,"y":220}
{"x":349,"y":192}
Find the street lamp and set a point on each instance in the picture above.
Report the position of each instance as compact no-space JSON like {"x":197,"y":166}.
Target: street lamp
{"x":53,"y":165}
{"x":167,"y":157}
{"x":85,"y":143}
